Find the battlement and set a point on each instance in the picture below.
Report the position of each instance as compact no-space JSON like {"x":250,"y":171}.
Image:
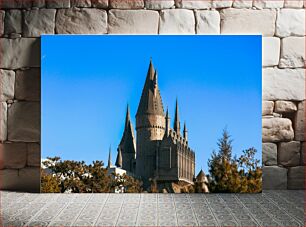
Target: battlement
{"x":181,"y":141}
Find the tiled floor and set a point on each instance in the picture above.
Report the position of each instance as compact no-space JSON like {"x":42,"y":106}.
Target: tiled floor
{"x":270,"y":208}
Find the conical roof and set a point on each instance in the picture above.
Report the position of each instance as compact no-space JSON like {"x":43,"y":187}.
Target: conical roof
{"x":150,"y":101}
{"x":109,"y":163}
{"x":128,"y":143}
{"x":201,"y":177}
{"x":185,"y":128}
{"x":177,"y":124}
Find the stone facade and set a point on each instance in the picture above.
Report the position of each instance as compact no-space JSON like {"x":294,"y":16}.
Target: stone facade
{"x":281,"y":22}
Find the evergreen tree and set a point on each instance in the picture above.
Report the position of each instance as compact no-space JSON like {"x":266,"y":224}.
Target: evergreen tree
{"x":229,"y":174}
{"x":225,"y":145}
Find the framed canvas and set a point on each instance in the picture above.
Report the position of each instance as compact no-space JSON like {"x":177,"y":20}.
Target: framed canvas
{"x":168,"y":114}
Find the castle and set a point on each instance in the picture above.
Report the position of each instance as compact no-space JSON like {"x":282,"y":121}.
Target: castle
{"x":159,"y":152}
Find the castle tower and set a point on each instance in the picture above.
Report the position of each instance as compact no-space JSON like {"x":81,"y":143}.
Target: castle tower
{"x":127,"y":144}
{"x":150,"y":125}
{"x":185,"y":132}
{"x":177,"y":124}
{"x":201,"y":182}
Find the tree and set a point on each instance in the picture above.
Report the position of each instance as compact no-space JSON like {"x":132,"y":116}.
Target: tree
{"x":252,"y":172}
{"x":229,"y":174}
{"x":127,"y":183}
{"x":49,"y":182}
{"x":77,"y":176}
{"x":225,"y":145}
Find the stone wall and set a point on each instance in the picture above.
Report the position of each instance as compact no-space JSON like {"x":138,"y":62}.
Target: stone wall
{"x":281,"y":22}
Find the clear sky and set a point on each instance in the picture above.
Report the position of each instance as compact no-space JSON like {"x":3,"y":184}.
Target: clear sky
{"x":87,"y":82}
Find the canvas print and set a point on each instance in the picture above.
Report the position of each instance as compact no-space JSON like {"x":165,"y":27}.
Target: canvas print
{"x":154,"y":114}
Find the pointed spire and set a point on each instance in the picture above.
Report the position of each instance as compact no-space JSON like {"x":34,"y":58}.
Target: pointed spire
{"x":176,"y":126}
{"x":119,"y":158}
{"x":127,"y":117}
{"x":185,"y":132}
{"x":167,"y":123}
{"x":128,"y":133}
{"x":151,"y":70}
{"x":150,"y":101}
{"x":155,"y":83}
{"x":167,"y":113}
{"x":109,"y":163}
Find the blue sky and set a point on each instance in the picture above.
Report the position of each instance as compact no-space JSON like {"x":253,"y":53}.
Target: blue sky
{"x":87,"y":82}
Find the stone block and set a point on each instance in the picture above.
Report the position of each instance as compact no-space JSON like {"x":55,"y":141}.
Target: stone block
{"x":13,"y":21}
{"x":299,"y":122}
{"x":296,"y":176}
{"x":159,"y":4}
{"x":290,"y":22}
{"x":55,"y":4}
{"x":293,"y":4}
{"x":39,"y":22}
{"x":81,"y":21}
{"x":248,"y":21}
{"x":274,"y":177}
{"x":34,"y":154}
{"x":269,"y":154}
{"x":99,"y":3}
{"x":267,"y":107}
{"x":191,"y":4}
{"x":7,"y":81}
{"x":285,"y":107}
{"x":39,"y":4}
{"x":27,"y":85}
{"x":277,"y":129}
{"x":270,"y":51}
{"x":24,"y":122}
{"x":242,"y":4}
{"x":13,"y":155}
{"x":25,"y":180}
{"x":293,"y":52}
{"x":80,"y":3}
{"x":208,"y":22}
{"x":15,"y":4}
{"x":262,"y":4}
{"x":289,"y":153}
{"x":283,"y":84}
{"x":3,"y":121}
{"x":177,"y":21}
{"x":20,"y":53}
{"x":133,"y":21}
{"x":126,"y":4}
{"x":2,"y":15}
{"x":222,"y":3}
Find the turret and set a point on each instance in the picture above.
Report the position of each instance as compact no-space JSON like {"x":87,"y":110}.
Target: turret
{"x":167,"y":130}
{"x":185,"y":132}
{"x":127,"y":144}
{"x":177,"y":126}
{"x":150,"y":124}
{"x":109,"y":163}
